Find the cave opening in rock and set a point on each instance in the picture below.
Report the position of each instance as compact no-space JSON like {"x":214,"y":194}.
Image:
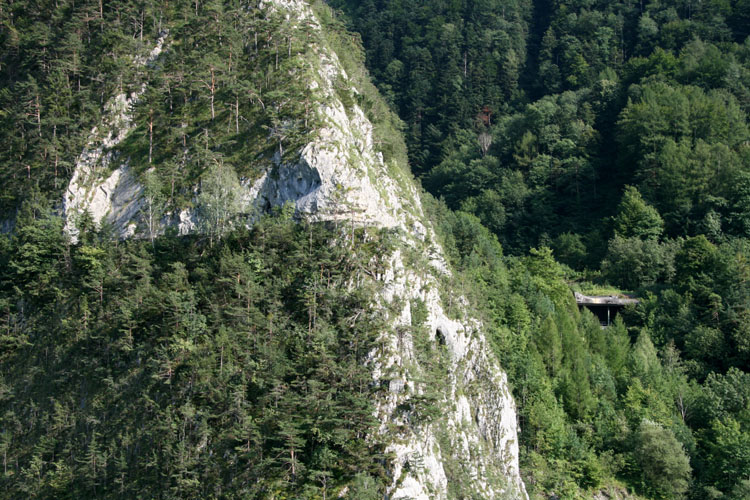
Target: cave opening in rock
{"x":439,"y":337}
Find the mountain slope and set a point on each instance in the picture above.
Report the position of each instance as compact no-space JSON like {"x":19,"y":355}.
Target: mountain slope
{"x":623,"y":147}
{"x":303,"y":128}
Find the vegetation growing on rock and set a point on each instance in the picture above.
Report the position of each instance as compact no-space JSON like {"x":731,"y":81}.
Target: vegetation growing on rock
{"x":603,"y":143}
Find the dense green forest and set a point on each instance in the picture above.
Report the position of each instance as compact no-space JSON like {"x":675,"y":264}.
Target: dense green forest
{"x":616,"y":135}
{"x":568,"y":144}
{"x":226,"y":365}
{"x":657,"y":402}
{"x":535,"y":115}
{"x":184,"y":370}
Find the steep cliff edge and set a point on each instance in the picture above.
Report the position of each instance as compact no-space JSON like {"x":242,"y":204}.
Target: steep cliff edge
{"x":118,"y":196}
{"x":447,"y":415}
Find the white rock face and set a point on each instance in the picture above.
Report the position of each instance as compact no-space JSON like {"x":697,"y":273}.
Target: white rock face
{"x":340,"y":176}
{"x":115,"y":198}
{"x":477,"y":432}
{"x":478,"y":422}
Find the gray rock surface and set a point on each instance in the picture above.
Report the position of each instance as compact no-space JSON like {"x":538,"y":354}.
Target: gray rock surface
{"x":111,"y":196}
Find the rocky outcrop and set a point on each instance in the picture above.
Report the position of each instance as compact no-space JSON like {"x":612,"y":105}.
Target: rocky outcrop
{"x":114,"y":196}
{"x":469,"y":447}
{"x":338,"y":175}
{"x":475,"y":436}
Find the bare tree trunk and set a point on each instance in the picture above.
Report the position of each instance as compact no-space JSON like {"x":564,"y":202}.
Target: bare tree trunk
{"x":38,"y":115}
{"x":485,"y":141}
{"x":150,"y":134}
{"x":213,"y":92}
{"x":682,"y":407}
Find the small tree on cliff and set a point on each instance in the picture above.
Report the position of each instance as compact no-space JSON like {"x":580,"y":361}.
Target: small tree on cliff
{"x":153,"y":205}
{"x":219,"y":200}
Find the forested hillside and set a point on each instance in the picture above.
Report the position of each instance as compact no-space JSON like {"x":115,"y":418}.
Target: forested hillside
{"x":616,"y":135}
{"x":201,"y":103}
{"x":535,"y":115}
{"x":214,"y":366}
{"x":594,"y":146}
{"x":182,"y":371}
{"x":244,"y":328}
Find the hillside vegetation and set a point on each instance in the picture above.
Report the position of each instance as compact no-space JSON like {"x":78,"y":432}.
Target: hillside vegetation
{"x":616,"y":135}
{"x":583,"y":144}
{"x":187,"y":371}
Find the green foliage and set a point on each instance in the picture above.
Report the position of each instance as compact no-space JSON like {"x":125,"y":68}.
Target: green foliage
{"x":176,"y":370}
{"x":634,"y":262}
{"x":578,"y":100}
{"x":595,"y":405}
{"x":439,"y":64}
{"x":152,"y":210}
{"x":220,"y":91}
{"x":570,"y":249}
{"x":188,"y":371}
{"x":728,"y":444}
{"x":685,"y":143}
{"x":218,"y":201}
{"x":665,"y":466}
{"x":636,"y":219}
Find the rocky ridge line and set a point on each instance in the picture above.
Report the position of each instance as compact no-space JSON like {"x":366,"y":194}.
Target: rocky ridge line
{"x":479,"y":420}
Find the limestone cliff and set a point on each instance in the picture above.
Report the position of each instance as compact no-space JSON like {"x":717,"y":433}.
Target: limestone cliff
{"x":470,"y":447}
{"x":115,"y":195}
